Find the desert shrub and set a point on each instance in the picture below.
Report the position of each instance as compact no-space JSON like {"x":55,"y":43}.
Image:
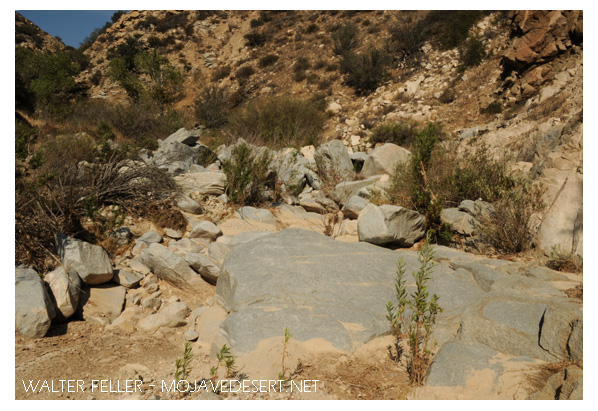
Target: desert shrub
{"x":211,"y":107}
{"x":189,"y":30}
{"x":401,"y":134}
{"x":244,"y":72}
{"x":365,"y":72}
{"x":76,"y":180}
{"x":345,"y":39}
{"x":96,"y":77}
{"x":172,"y":21}
{"x":221,"y":72}
{"x":324,"y":84}
{"x":301,"y":64}
{"x":471,"y":52}
{"x":406,"y":40}
{"x":280,"y":121}
{"x":299,"y":76}
{"x":248,"y":175}
{"x":508,"y":224}
{"x":319,"y":64}
{"x":448,"y":95}
{"x":154,"y":41}
{"x":312,"y":28}
{"x":451,"y":27}
{"x":256,"y":23}
{"x":255,"y":39}
{"x":268,"y":60}
{"x":492,"y":108}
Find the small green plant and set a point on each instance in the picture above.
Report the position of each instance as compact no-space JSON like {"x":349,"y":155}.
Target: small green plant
{"x":285,"y":353}
{"x":492,"y":108}
{"x":225,"y":359}
{"x":268,"y":60}
{"x":183,"y":365}
{"x":415,"y":317}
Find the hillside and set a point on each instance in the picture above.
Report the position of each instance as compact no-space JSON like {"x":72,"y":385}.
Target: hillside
{"x":243,"y":183}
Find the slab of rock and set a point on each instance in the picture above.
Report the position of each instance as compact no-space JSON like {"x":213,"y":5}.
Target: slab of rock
{"x":390,"y":225}
{"x":138,"y":266}
{"x":242,"y":238}
{"x":102,"y":303}
{"x":189,"y":205}
{"x":210,"y":183}
{"x":172,"y":233}
{"x":64,"y":290}
{"x":345,"y":190}
{"x":204,"y":229}
{"x":169,"y":266}
{"x":384,"y":160}
{"x":352,"y":207}
{"x":332,"y":158}
{"x":33,"y":307}
{"x":217,"y":252}
{"x":126,"y":278}
{"x":150,"y":237}
{"x":204,"y":266}
{"x":256,"y":214}
{"x":90,"y":262}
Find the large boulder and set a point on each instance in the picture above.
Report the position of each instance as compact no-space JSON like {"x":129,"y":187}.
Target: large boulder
{"x":333,"y":161}
{"x":204,"y":266}
{"x":183,"y":136}
{"x":33,"y":306}
{"x":189,"y":205}
{"x":345,"y":190}
{"x":353,"y":207}
{"x":168,"y":266}
{"x":562,"y":225}
{"x":384,"y":160}
{"x":390,"y":224}
{"x":460,"y":221}
{"x":65,"y":286}
{"x":210,"y":183}
{"x":90,"y":262}
{"x":204,"y":229}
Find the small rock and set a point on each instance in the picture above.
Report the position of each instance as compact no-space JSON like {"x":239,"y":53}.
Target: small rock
{"x":150,"y":237}
{"x":175,"y":234}
{"x":127,"y":278}
{"x":191,"y":335}
{"x":205,"y":229}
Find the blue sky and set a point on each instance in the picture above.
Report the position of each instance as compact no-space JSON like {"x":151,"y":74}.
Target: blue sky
{"x":71,"y":25}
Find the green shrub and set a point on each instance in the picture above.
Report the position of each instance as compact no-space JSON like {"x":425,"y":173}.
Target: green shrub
{"x":248,"y":175}
{"x":268,"y":60}
{"x":211,"y":107}
{"x":471,"y":53}
{"x":280,"y":121}
{"x":452,"y":27}
{"x":345,"y":39}
{"x":312,"y":28}
{"x":256,"y":23}
{"x":401,"y":134}
{"x":301,"y":64}
{"x":365,"y":72}
{"x":406,"y":40}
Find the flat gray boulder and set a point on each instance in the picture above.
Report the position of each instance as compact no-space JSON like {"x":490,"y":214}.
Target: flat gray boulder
{"x":65,"y":286}
{"x":126,"y":278}
{"x":210,"y":183}
{"x":390,"y":224}
{"x":150,"y":237}
{"x":256,"y":214}
{"x":168,"y":266}
{"x":33,"y":307}
{"x":461,"y":222}
{"x":90,"y":262}
{"x":384,"y":160}
{"x":204,"y":229}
